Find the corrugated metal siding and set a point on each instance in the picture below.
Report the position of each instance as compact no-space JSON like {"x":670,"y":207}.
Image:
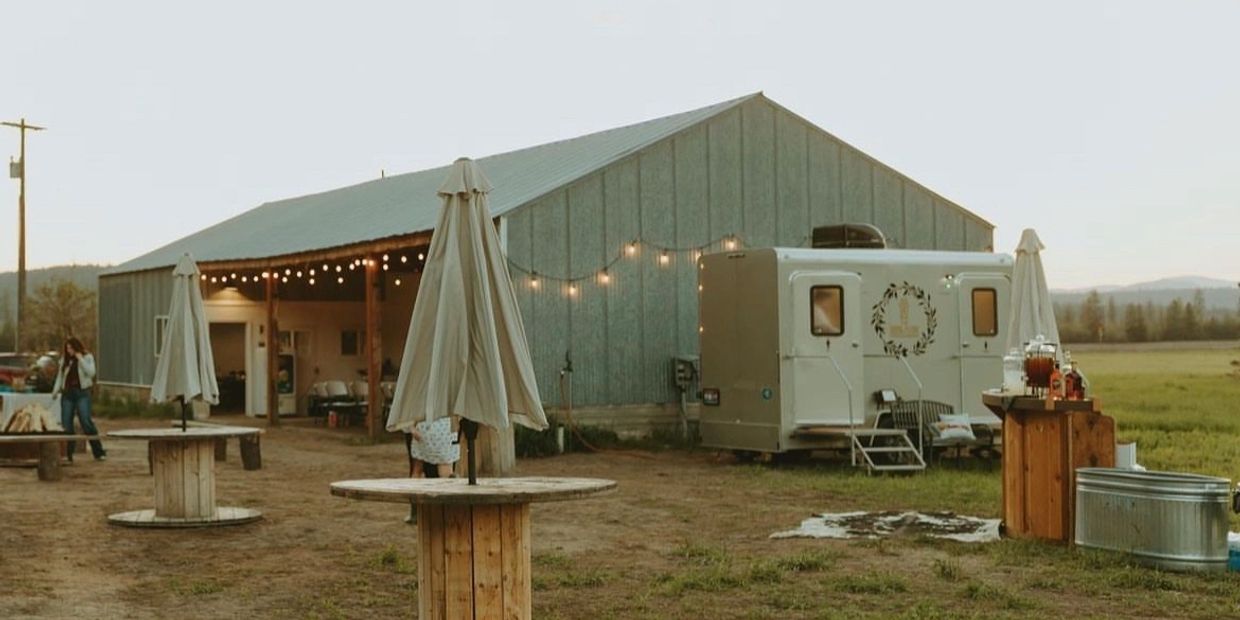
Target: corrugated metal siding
{"x":115,"y":353}
{"x":587,"y":309}
{"x":128,"y":305}
{"x":756,"y":171}
{"x":792,"y":180}
{"x":692,"y":230}
{"x":658,"y":225}
{"x":625,"y":334}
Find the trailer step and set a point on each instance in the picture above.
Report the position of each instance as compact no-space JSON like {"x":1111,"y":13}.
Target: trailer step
{"x":901,"y":454}
{"x":898,"y":468}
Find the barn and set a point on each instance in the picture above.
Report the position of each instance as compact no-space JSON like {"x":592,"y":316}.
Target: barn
{"x":602,"y":234}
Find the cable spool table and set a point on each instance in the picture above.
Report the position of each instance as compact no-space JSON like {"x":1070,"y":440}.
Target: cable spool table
{"x":183,"y":464}
{"x":473,"y":541}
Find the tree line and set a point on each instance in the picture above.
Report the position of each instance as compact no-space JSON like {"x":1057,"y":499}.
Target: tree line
{"x":55,"y":310}
{"x":1097,"y":320}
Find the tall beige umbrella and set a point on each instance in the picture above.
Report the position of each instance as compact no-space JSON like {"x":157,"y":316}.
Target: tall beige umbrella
{"x":466,"y":353}
{"x":1032,"y":312}
{"x":186,"y":367}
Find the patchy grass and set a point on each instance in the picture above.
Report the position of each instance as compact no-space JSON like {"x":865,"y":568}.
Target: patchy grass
{"x":948,"y":569}
{"x":871,"y":583}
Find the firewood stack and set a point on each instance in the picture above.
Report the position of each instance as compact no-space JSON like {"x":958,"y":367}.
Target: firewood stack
{"x":33,"y":418}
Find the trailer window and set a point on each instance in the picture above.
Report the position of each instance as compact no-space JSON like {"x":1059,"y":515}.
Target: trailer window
{"x":985,"y":312}
{"x":826,"y":310}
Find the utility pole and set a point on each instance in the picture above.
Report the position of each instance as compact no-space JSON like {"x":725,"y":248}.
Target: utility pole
{"x":18,"y":170}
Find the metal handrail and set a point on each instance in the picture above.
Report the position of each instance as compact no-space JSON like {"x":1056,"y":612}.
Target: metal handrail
{"x":921,"y":422}
{"x":852,"y":445}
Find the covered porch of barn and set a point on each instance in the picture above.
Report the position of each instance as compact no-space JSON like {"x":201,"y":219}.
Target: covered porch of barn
{"x":279,"y":325}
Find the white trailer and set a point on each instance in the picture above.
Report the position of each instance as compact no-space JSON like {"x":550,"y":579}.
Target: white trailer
{"x":802,"y":349}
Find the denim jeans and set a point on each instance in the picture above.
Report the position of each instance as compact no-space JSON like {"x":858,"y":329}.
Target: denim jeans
{"x":79,"y":399}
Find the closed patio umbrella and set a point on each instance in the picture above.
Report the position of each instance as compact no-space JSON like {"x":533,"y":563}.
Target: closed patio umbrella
{"x":1032,"y":312}
{"x":466,"y":352}
{"x":186,"y":367}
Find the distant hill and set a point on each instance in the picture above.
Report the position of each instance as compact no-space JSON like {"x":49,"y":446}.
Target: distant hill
{"x":1219,"y":299}
{"x":85,"y":276}
{"x":1178,"y":283}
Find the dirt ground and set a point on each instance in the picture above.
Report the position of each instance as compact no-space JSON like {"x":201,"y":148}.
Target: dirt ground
{"x":686,"y":535}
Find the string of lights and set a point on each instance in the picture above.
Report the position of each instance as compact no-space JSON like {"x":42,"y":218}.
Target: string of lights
{"x":314,"y":273}
{"x":631,"y":250}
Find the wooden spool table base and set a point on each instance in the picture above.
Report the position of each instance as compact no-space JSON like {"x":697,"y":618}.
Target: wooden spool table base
{"x":473,"y":541}
{"x":183,"y":464}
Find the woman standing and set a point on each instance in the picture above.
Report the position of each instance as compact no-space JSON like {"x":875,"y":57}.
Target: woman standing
{"x":74,"y":377}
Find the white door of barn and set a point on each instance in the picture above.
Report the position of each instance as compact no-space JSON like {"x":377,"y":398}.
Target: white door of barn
{"x":983,"y":302}
{"x":826,"y":358}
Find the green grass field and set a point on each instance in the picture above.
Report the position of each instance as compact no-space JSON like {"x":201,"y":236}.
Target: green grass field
{"x":1181,"y":407}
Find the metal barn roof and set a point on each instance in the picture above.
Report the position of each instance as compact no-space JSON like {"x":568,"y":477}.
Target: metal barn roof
{"x":406,"y":204}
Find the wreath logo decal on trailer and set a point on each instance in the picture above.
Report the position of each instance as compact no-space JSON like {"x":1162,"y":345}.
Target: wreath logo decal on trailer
{"x":904,"y":294}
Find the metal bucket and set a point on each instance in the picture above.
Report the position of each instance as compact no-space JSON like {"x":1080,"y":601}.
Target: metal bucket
{"x":1168,"y":520}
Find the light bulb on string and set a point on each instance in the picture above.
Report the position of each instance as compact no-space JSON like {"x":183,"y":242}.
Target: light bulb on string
{"x":311,"y":281}
{"x":385,"y":258}
{"x":604,"y":278}
{"x":631,"y":248}
{"x":664,"y":258}
{"x":212,"y":279}
{"x":421,"y":256}
{"x":265,"y":274}
{"x":385,"y":266}
{"x":339,"y":279}
{"x":729,"y":243}
{"x":288,"y":272}
{"x":404,"y":259}
{"x":243,"y":279}
{"x":534,"y":281}
{"x":234,"y":275}
{"x":397,"y":281}
{"x":572,"y":290}
{"x":352,"y":266}
{"x":299,"y":273}
{"x":284,"y":279}
{"x":311,"y":272}
{"x":324,"y":267}
{"x":203,"y":277}
{"x":338,"y":268}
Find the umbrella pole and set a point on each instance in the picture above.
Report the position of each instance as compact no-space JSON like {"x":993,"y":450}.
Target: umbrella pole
{"x":470,"y":428}
{"x":184,"y":418}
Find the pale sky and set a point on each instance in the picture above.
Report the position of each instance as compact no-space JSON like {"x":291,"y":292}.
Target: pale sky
{"x":1110,"y":127}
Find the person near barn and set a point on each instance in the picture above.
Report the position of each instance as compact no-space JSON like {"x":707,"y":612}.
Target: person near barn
{"x":74,"y":377}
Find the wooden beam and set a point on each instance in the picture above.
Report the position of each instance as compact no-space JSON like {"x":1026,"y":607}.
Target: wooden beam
{"x":352,"y":250}
{"x":273,"y":358}
{"x":374,"y":348}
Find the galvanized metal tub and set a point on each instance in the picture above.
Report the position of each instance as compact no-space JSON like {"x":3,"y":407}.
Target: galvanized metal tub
{"x":1168,"y":520}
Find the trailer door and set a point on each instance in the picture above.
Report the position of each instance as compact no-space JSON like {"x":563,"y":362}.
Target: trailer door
{"x":983,"y":331}
{"x":825,"y":357}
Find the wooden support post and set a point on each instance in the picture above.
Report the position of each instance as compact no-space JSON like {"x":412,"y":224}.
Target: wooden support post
{"x":374,"y":348}
{"x":273,"y":355}
{"x":497,"y":453}
{"x":251,"y":452}
{"x":49,"y":461}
